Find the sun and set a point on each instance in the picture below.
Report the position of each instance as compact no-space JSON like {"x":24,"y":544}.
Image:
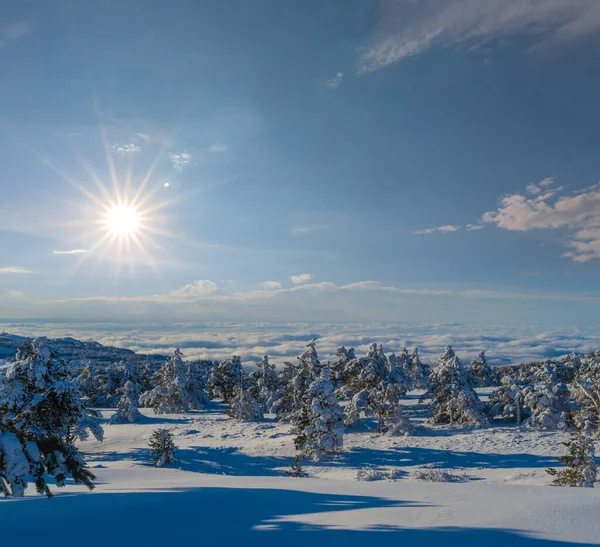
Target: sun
{"x":123,"y":220}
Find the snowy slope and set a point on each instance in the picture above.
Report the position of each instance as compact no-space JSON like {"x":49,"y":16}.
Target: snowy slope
{"x":229,"y":488}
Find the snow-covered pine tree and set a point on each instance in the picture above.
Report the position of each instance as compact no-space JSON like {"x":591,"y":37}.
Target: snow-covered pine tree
{"x":42,"y":412}
{"x":195,"y":385}
{"x":244,"y":407}
{"x":162,"y":448}
{"x":265,"y":384}
{"x":297,"y":379}
{"x":296,"y":470}
{"x":481,"y":372}
{"x":417,"y":371}
{"x":580,"y":460}
{"x":225,"y":377}
{"x":170,"y":394}
{"x":90,"y":383}
{"x":453,"y":399}
{"x":321,"y":424}
{"x":127,"y":409}
{"x":339,"y":367}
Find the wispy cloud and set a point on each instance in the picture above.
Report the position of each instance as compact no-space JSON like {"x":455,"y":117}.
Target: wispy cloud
{"x":301,"y":278}
{"x":179,"y":160}
{"x":127,"y":149}
{"x":218,"y":148}
{"x":303,"y":230}
{"x":335,"y":82}
{"x":271,"y":285}
{"x":17,"y":270}
{"x":444,"y":229}
{"x":542,"y":207}
{"x":408,"y":28}
{"x":13,"y":31}
{"x":70,"y":252}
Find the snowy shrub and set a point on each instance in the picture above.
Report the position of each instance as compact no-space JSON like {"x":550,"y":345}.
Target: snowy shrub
{"x":170,"y":394}
{"x":162,"y":448}
{"x":548,"y":406}
{"x":506,"y":402}
{"x":580,"y":460}
{"x":438,"y":475}
{"x":370,"y":473}
{"x":453,"y":398}
{"x":321,"y":423}
{"x":42,"y":412}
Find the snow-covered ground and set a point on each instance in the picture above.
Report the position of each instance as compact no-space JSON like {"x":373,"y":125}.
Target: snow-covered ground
{"x":230,"y":487}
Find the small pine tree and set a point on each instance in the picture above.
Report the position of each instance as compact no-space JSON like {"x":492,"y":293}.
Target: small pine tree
{"x":481,"y":372}
{"x":244,"y":407}
{"x":581,"y":470}
{"x":296,"y":470}
{"x":162,"y":447}
{"x":127,"y":410}
{"x":417,"y":371}
{"x":321,"y":423}
{"x":170,"y":394}
{"x":225,"y":378}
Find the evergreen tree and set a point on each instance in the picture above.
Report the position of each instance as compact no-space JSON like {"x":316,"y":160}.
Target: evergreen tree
{"x":42,"y":412}
{"x":321,"y":423}
{"x":296,"y":470}
{"x":195,"y":385}
{"x":339,"y":367}
{"x":225,"y":378}
{"x":127,"y":409}
{"x":453,"y":398}
{"x":90,"y":384}
{"x":244,"y":407}
{"x":506,"y":402}
{"x":162,"y":448}
{"x":170,"y":394}
{"x":265,"y":384}
{"x":548,"y":406}
{"x":417,"y":371}
{"x":481,"y":372}
{"x":580,"y":460}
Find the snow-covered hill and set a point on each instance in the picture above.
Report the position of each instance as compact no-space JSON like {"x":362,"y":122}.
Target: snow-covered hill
{"x":230,"y":488}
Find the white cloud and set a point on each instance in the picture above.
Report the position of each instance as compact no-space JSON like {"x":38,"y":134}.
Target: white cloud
{"x":218,"y":147}
{"x":197,"y":289}
{"x":71,"y":252}
{"x":271,"y":285}
{"x":301,"y":278}
{"x":474,"y":227}
{"x":303,"y":230}
{"x":444,"y":229}
{"x":126,"y":149}
{"x":180,"y":160}
{"x":14,"y":270}
{"x":408,"y":28}
{"x":335,"y":82}
{"x":542,"y":208}
{"x":283,"y":341}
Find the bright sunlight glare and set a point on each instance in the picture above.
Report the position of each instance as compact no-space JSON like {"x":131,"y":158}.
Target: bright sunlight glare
{"x":123,"y":220}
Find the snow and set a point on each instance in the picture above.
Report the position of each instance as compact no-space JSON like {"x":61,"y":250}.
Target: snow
{"x":229,"y":487}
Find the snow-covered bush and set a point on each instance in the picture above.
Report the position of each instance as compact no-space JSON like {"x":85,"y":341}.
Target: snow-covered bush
{"x":438,"y":475}
{"x":453,"y":398}
{"x":127,"y":409}
{"x":580,"y":460}
{"x":170,"y":394}
{"x":42,"y":412}
{"x":548,"y":406}
{"x":369,"y":473}
{"x":321,"y":423}
{"x":162,"y":448}
{"x":506,"y":402}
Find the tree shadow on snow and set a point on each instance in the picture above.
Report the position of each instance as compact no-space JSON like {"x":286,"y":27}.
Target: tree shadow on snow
{"x":233,"y":516}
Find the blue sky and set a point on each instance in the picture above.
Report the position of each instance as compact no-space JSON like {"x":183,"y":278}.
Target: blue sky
{"x":431,"y":161}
